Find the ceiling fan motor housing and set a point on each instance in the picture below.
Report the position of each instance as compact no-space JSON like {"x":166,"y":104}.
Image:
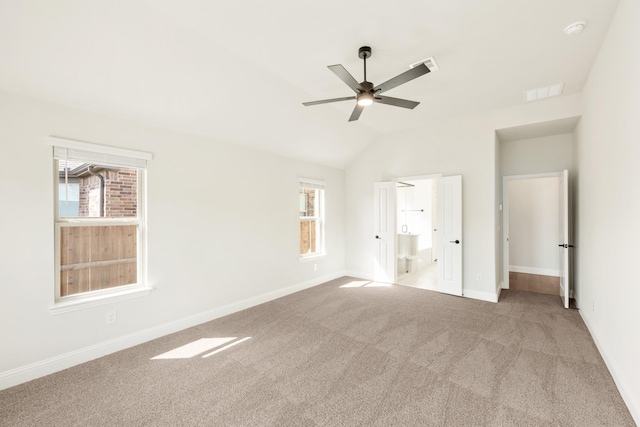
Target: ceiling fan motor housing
{"x":366,"y":86}
{"x":364,"y":52}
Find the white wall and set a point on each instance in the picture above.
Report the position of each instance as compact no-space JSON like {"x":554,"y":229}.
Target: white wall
{"x":526,"y":156}
{"x":222,"y":221}
{"x":607,"y":154}
{"x":464,"y":146}
{"x":450,"y":150}
{"x":534,"y":225}
{"x":537,"y":155}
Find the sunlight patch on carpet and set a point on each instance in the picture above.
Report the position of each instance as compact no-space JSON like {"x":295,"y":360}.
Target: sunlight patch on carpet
{"x":365,"y":284}
{"x":378,"y":285}
{"x":355,"y":284}
{"x":226,"y":347}
{"x":194,"y":348}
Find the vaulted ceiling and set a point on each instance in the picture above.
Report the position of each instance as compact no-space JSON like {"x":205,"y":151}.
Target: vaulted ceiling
{"x":238,"y":71}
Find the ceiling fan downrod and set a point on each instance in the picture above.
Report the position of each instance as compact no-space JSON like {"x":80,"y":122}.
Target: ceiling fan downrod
{"x":364,"y":52}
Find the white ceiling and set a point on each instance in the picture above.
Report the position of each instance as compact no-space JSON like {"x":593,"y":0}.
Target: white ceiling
{"x":238,"y":71}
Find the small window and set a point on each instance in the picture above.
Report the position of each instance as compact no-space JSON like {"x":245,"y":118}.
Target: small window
{"x":311,"y":194}
{"x":99,"y":221}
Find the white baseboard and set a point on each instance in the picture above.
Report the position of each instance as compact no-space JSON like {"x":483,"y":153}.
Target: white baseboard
{"x":480,"y":295}
{"x":533,"y":270}
{"x":632,"y":404}
{"x":48,"y":366}
{"x":499,"y":288}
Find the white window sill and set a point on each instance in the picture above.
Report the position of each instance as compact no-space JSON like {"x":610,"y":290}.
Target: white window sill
{"x":83,"y":302}
{"x":313,"y":257}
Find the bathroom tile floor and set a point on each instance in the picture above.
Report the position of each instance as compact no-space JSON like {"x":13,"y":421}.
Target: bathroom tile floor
{"x":426,"y":277}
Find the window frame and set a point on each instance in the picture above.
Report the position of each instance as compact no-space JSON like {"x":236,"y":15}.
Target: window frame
{"x":62,"y":304}
{"x":319,"y":217}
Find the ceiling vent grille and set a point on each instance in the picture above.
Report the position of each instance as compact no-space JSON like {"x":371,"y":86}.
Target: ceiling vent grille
{"x":544,"y":92}
{"x":430,"y":62}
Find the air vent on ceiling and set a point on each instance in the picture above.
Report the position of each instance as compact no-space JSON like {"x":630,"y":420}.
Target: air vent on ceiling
{"x":429,"y":62}
{"x":544,"y":92}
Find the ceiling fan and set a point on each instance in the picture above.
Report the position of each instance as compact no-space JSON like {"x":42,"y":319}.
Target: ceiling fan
{"x":366,"y":92}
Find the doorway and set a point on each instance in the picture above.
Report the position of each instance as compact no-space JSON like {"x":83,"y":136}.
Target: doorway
{"x":416,"y":233}
{"x":448,"y":240}
{"x":534,"y":223}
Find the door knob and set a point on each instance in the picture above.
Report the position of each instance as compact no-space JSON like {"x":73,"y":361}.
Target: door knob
{"x":377,"y":237}
{"x":454,"y":241}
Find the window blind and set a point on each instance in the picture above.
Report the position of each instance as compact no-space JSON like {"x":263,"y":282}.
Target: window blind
{"x":306,"y":183}
{"x":66,"y":149}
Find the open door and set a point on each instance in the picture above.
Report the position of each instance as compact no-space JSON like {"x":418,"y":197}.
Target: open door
{"x":450,"y":235}
{"x":384,"y":196}
{"x":565,"y":227}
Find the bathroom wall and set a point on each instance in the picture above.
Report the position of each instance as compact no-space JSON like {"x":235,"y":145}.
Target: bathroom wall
{"x":412,"y":199}
{"x":415,"y":199}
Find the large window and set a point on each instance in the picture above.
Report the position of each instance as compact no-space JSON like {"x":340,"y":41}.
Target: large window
{"x":99,"y":220}
{"x":311,"y":195}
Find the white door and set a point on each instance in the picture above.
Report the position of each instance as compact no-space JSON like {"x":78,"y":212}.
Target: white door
{"x":434,"y":222}
{"x":565,"y":227}
{"x":384,"y":196}
{"x":450,"y":235}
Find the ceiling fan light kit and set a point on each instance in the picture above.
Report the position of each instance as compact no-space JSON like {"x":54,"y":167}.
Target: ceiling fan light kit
{"x":365,"y":99}
{"x":366,"y":92}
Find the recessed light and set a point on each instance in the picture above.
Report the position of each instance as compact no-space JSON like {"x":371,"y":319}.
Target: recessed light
{"x":575,"y":28}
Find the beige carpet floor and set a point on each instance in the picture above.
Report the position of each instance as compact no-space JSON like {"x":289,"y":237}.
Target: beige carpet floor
{"x":345,"y":353}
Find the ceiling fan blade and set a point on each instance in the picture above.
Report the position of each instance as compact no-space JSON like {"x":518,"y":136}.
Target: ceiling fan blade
{"x":344,"y":75}
{"x":403,"y":78}
{"x":397,"y":102}
{"x":326,"y":101}
{"x":356,"y":113}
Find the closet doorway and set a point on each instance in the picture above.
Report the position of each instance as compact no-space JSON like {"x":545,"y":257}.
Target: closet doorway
{"x":536,"y":256}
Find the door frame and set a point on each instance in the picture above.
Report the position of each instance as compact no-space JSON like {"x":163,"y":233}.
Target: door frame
{"x":505,"y":217}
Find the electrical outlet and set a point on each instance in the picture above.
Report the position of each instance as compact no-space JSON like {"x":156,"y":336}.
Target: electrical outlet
{"x":111,"y":317}
{"x":315,"y":267}
{"x":478,"y":277}
{"x":594,"y":306}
